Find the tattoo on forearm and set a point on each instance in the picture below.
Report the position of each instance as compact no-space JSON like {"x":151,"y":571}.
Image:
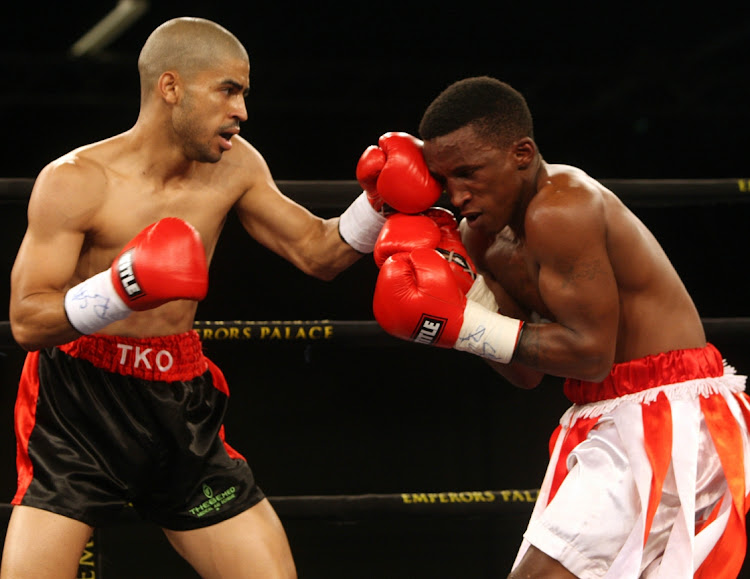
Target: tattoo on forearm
{"x":577,"y":271}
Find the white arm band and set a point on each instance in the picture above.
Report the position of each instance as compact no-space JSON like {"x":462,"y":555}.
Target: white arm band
{"x":487,"y":334}
{"x":94,"y":304}
{"x":360,"y":225}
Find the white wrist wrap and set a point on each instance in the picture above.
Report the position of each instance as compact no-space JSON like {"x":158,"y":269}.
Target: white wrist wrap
{"x":360,"y":225}
{"x":487,"y":334}
{"x":94,"y":304}
{"x":482,"y":294}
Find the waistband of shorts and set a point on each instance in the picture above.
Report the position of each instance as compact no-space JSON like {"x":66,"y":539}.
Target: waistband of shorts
{"x":648,"y":372}
{"x":160,"y":358}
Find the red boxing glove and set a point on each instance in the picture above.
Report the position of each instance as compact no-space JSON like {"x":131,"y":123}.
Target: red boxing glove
{"x":435,"y":228}
{"x":404,"y":233}
{"x":452,"y":248}
{"x":164,"y":262}
{"x":394,"y":173}
{"x":418,"y":298}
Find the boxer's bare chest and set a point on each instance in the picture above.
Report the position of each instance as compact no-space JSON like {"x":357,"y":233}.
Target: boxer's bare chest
{"x":509,"y":262}
{"x":130,"y":204}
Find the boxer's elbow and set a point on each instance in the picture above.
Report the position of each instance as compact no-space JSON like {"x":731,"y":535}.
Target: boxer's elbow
{"x":518,"y":375}
{"x":37,"y":332}
{"x":593,"y":365}
{"x":328,"y":268}
{"x":322,"y":272}
{"x":25,"y":337}
{"x":21,"y":330}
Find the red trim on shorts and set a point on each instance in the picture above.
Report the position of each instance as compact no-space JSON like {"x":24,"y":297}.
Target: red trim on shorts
{"x":25,"y":419}
{"x":220,"y":383}
{"x":725,"y":560}
{"x":648,"y":372}
{"x":160,"y":358}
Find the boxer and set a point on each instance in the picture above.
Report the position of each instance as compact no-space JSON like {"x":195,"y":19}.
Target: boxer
{"x":649,"y":468}
{"x":117,"y":404}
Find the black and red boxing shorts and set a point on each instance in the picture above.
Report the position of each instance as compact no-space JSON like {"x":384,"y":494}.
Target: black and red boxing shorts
{"x":107,"y":421}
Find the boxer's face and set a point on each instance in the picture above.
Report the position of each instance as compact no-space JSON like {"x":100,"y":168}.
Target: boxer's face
{"x":211,"y":110}
{"x":482,"y":180}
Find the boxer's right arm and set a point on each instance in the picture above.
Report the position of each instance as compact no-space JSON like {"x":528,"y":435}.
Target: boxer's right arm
{"x":164,"y":262}
{"x":60,"y":208}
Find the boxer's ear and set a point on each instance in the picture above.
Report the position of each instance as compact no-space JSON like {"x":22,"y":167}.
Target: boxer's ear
{"x":169,"y":87}
{"x":524,"y":150}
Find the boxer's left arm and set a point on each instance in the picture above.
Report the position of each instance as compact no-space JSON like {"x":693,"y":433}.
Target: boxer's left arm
{"x":568,"y":241}
{"x":309,"y":242}
{"x":319,"y":247}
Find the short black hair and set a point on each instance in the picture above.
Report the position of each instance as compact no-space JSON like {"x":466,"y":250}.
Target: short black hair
{"x":497,"y":111}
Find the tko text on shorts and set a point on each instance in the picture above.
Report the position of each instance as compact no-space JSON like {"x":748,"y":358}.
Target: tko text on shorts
{"x":137,"y":357}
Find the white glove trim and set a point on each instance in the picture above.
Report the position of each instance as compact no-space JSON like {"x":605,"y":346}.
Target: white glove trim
{"x":94,"y":304}
{"x":360,"y":225}
{"x":487,"y":334}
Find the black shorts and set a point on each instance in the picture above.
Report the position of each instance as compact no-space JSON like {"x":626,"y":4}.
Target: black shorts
{"x":105,"y":421}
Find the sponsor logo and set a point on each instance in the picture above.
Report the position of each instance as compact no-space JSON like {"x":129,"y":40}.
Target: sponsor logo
{"x":506,"y":496}
{"x":214,"y":500}
{"x":268,"y":331}
{"x":428,"y":329}
{"x":127,"y":275}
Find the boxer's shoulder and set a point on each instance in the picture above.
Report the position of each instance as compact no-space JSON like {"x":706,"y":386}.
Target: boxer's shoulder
{"x":69,"y":185}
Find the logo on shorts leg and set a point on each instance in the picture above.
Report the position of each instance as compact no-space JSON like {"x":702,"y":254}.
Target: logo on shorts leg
{"x":214,"y":501}
{"x":428,"y":329}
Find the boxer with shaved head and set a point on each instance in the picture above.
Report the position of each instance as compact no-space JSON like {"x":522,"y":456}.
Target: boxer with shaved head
{"x":117,"y":403}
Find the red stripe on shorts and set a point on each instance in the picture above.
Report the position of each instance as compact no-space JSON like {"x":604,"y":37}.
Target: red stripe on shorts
{"x":25,"y":419}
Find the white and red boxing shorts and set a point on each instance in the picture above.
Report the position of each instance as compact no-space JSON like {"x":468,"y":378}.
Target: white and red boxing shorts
{"x":649,"y":472}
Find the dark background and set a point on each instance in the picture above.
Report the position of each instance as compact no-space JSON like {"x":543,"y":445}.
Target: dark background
{"x":624,"y":91}
{"x":640,"y":90}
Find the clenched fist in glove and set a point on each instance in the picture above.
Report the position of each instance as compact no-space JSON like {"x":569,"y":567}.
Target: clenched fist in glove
{"x":435,"y":228}
{"x":394,"y":177}
{"x":164,"y":262}
{"x":418,"y":298}
{"x":394,"y":173}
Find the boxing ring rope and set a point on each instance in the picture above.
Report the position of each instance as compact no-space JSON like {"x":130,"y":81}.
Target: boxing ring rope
{"x":484,"y":503}
{"x":356,"y":332}
{"x":335,"y":195}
